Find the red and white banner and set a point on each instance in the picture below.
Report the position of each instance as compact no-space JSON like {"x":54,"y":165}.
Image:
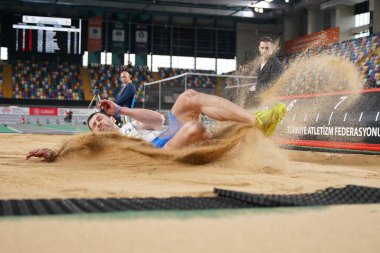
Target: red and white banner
{"x":43,"y":111}
{"x":94,"y":41}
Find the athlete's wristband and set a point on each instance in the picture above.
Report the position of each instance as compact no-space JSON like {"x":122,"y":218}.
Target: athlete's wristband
{"x":117,"y":111}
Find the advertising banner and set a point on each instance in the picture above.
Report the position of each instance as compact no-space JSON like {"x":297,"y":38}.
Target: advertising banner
{"x":118,"y":38}
{"x":14,"y":110}
{"x":141,"y":39}
{"x":344,"y":120}
{"x":43,"y":111}
{"x":94,"y":41}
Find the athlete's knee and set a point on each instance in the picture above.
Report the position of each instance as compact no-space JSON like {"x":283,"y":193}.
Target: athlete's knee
{"x":189,"y":92}
{"x":188,"y":97}
{"x":187,"y":106}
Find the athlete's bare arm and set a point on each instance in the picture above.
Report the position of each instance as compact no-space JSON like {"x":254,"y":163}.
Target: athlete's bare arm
{"x":147,"y":119}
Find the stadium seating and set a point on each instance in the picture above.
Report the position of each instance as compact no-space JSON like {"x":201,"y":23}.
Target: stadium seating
{"x":47,"y":81}
{"x":172,"y":88}
{"x":105,"y":79}
{"x":1,"y":81}
{"x":370,"y":70}
{"x":62,"y":81}
{"x":192,"y":81}
{"x":363,"y":52}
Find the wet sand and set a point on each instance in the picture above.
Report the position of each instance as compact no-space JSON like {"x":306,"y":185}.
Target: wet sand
{"x":128,"y":173}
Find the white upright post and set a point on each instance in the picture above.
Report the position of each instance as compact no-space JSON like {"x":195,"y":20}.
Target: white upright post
{"x":159,"y":96}
{"x":186,"y":82}
{"x":144,"y":97}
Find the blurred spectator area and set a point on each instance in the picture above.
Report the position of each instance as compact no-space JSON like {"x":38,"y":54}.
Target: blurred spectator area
{"x":63,"y":81}
{"x":46,"y":81}
{"x":1,"y":81}
{"x":193,"y":82}
{"x":171,"y":89}
{"x":363,"y":52}
{"x":105,"y":79}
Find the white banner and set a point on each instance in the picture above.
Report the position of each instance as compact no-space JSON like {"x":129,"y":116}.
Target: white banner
{"x":142,"y":36}
{"x":14,"y":110}
{"x":118,"y":35}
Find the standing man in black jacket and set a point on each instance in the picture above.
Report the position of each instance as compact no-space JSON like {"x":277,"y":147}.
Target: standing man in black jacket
{"x":127,"y":93}
{"x":269,"y":69}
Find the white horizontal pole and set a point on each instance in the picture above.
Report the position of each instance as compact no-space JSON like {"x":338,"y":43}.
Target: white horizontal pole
{"x":198,"y":74}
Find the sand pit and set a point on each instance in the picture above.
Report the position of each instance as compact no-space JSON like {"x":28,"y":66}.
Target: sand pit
{"x":134,"y":174}
{"x":112,"y":172}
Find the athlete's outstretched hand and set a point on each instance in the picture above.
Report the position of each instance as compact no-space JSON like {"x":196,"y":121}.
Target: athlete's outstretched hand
{"x":108,"y":106}
{"x":48,"y":154}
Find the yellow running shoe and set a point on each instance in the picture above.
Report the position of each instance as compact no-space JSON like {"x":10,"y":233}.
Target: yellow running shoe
{"x":268,"y":120}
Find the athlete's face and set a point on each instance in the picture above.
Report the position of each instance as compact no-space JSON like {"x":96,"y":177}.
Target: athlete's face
{"x":265,"y":48}
{"x":124,"y":76}
{"x":101,"y":123}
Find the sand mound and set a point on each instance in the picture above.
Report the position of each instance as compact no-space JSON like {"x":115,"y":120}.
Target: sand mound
{"x":235,"y":145}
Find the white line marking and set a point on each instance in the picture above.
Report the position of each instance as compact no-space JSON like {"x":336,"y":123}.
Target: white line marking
{"x":377,"y":116}
{"x":294,"y":116}
{"x":330,"y":117}
{"x":317,"y":117}
{"x":341,"y":100}
{"x":344,"y":120}
{"x":11,"y":128}
{"x":60,"y":130}
{"x":304,"y":119}
{"x":361,"y":115}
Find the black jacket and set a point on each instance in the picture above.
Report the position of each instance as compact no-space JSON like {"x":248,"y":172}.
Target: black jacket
{"x":126,"y":95}
{"x":270,"y":72}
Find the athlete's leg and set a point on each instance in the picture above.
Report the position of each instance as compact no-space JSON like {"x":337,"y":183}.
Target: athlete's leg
{"x":192,"y":131}
{"x":191,"y":103}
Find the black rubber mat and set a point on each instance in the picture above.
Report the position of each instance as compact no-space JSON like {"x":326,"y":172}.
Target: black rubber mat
{"x":69,"y":206}
{"x":350,"y":194}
